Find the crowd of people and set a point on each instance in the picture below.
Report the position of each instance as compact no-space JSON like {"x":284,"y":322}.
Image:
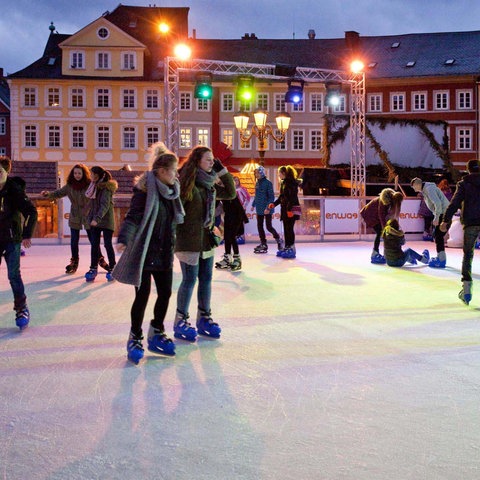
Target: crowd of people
{"x":173,"y":214}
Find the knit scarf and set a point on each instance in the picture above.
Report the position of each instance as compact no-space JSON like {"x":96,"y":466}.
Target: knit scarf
{"x":207,"y":181}
{"x":91,"y":191}
{"x":168,"y":193}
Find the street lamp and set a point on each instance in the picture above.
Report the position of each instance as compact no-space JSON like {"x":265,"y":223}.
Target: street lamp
{"x":261,"y":129}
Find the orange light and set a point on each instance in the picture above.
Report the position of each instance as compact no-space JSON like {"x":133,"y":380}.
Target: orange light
{"x":357,"y":66}
{"x":163,"y":27}
{"x":182,"y":51}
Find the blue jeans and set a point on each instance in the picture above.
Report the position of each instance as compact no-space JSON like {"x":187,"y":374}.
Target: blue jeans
{"x":12,"y":260}
{"x":203,"y":271}
{"x":408,"y":255}
{"x":470,"y":235}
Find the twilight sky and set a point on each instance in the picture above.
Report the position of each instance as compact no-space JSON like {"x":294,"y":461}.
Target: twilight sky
{"x":24,"y":24}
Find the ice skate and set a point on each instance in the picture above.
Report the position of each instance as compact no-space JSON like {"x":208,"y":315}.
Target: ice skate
{"x":158,"y":342}
{"x":134,"y":348}
{"x":225,"y":262}
{"x":109,"y":276}
{"x":465,"y":294}
{"x":22,"y":318}
{"x":236,"y":264}
{"x":72,"y":266}
{"x":262,"y":248}
{"x":280,"y":245}
{"x":91,"y":275}
{"x":289,"y":252}
{"x":206,"y":326}
{"x":103,"y":264}
{"x":425,"y":257}
{"x":435,"y":262}
{"x":377,"y":259}
{"x":183,"y":329}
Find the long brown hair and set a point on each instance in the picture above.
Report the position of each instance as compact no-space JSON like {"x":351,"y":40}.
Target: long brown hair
{"x":84,"y":181}
{"x":188,"y":171}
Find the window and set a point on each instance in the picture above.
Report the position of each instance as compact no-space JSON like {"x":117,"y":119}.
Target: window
{"x":262,"y":101}
{"x":375,"y":102}
{"x":103,"y":98}
{"x":315,"y":140}
{"x":153,"y":135}
{"x":53,"y":97}
{"x":129,"y":138}
{"x":3,"y":125}
{"x":103,"y":60}
{"x":397,"y":102}
{"x":280,"y":145}
{"x":464,"y":99}
{"x":103,"y":137}
{"x":128,"y":98}
{"x":316,"y":102}
{"x":3,"y":150}
{"x":419,"y":100}
{"x":78,"y":136}
{"x":227,"y":102}
{"x":298,"y":139}
{"x":185,"y":101}
{"x":464,"y":138}
{"x":53,"y":136}
{"x":185,"y":138}
{"x":77,"y":60}
{"x":245,"y":145}
{"x":29,"y":97}
{"x":152,"y":99}
{"x":103,"y":33}
{"x":128,"y":61}
{"x":245,"y":106}
{"x":440,"y":100}
{"x":227,"y":137}
{"x":30,"y":136}
{"x":203,"y":105}
{"x":341,"y":107}
{"x":77,"y":98}
{"x":203,"y":137}
{"x":279,"y":102}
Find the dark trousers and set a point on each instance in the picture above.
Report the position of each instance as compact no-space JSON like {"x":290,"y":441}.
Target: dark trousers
{"x":163,"y":283}
{"x":378,"y":235}
{"x":439,"y":236}
{"x":470,"y":235}
{"x":230,"y":239}
{"x":288,"y":231}
{"x":11,"y":252}
{"x":95,"y":235}
{"x":268,"y":224}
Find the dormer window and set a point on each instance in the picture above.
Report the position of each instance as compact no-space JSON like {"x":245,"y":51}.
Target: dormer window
{"x":410,"y":64}
{"x":103,"y":33}
{"x":450,"y":61}
{"x":395,"y":45}
{"x":372,"y":65}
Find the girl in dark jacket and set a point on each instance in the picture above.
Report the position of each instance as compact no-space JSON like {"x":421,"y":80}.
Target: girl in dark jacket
{"x":101,"y":219}
{"x":194,"y":247}
{"x":147,"y":239}
{"x":289,"y":208}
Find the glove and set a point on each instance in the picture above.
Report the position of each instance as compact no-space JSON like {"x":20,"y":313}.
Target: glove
{"x":290,"y":214}
{"x":217,"y":165}
{"x":271,"y":205}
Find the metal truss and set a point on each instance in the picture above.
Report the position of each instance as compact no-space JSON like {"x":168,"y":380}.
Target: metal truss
{"x":174,"y":66}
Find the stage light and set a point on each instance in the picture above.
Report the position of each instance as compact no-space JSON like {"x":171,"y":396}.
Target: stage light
{"x":357,"y":66}
{"x":294,"y":93}
{"x":203,"y":87}
{"x":245,"y":90}
{"x":332,"y":97}
{"x":182,"y":51}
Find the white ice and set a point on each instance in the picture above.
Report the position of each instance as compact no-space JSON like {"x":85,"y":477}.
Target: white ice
{"x":328,"y":368}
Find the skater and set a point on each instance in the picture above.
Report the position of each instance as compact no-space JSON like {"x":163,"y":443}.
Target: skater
{"x":263,"y":197}
{"x":195,"y":246}
{"x":101,"y":219}
{"x":375,"y":215}
{"x":437,"y":202}
{"x":426,"y":214}
{"x":14,"y":203}
{"x":290,"y":209}
{"x":233,"y":222}
{"x":466,"y":198}
{"x":244,"y":197}
{"x":78,"y":181}
{"x":147,"y":238}
{"x":393,"y":240}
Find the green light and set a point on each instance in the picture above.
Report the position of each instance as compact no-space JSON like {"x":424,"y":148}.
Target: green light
{"x":204,"y":91}
{"x":245,"y":91}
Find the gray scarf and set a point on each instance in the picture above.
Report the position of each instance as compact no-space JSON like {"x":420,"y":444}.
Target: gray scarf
{"x":168,"y":193}
{"x":207,"y":181}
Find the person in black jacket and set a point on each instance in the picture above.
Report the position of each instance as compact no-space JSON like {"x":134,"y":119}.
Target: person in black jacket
{"x":13,"y":204}
{"x":466,"y":198}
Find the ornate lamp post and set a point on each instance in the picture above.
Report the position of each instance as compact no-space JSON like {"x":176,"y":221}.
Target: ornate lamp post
{"x":261,"y":129}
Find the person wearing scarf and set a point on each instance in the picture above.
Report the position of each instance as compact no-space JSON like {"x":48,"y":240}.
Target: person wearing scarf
{"x":146,"y":240}
{"x":195,"y":247}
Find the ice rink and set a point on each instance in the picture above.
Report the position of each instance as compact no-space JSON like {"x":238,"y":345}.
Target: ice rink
{"x":329,"y":368}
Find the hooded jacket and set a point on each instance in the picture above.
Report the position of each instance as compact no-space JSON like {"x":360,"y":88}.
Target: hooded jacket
{"x":393,"y":240}
{"x":101,"y":207}
{"x":263,"y":195}
{"x":376,"y":211}
{"x":79,"y":205}
{"x":466,"y":198}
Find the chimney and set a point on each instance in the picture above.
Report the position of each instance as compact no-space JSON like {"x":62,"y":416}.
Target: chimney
{"x":352,"y":40}
{"x":311,"y":34}
{"x":1,"y":72}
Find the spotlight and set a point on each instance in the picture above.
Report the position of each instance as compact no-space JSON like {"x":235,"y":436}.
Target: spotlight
{"x":294,"y":93}
{"x":203,"y":87}
{"x":245,"y":90}
{"x":332,"y":97}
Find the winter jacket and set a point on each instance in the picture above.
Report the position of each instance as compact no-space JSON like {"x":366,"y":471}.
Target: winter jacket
{"x":435,"y":199}
{"x":466,"y":198}
{"x":263,"y":195}
{"x":376,"y":211}
{"x":393,"y":240}
{"x":288,"y":197}
{"x":235,"y":216}
{"x":192,"y":236}
{"x":14,"y":203}
{"x":79,"y":205}
{"x":101,"y":207}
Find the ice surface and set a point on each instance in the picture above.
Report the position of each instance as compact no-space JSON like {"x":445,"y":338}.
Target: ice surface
{"x":328,"y":367}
